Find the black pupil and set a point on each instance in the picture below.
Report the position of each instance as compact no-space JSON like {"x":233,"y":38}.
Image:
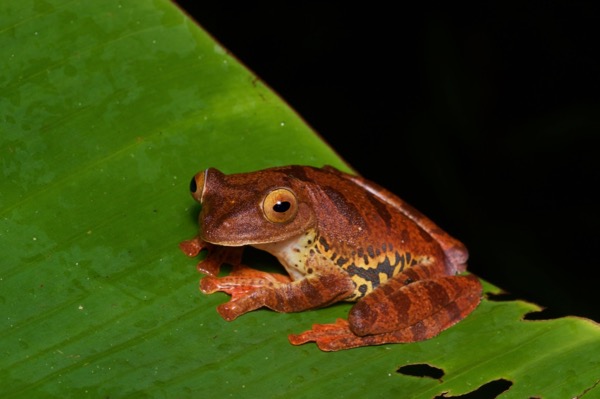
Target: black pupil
{"x":193,"y":186}
{"x":281,"y":206}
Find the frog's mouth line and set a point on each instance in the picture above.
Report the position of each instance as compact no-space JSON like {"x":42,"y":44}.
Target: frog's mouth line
{"x":258,"y":243}
{"x":265,"y":244}
{"x":283,"y":237}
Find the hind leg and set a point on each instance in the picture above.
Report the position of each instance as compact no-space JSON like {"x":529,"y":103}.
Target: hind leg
{"x":398,"y":312}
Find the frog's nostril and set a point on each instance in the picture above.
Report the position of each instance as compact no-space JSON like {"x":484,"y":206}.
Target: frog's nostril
{"x":193,"y":186}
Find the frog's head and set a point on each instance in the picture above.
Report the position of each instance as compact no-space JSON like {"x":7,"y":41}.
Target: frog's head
{"x":251,"y":208}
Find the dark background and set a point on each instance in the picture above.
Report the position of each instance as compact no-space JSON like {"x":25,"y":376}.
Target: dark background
{"x":484,"y":117}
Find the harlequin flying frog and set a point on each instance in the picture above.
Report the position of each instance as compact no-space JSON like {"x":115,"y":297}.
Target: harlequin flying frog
{"x":340,"y":238}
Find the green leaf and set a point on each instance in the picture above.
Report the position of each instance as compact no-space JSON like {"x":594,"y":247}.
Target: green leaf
{"x":107,"y":110}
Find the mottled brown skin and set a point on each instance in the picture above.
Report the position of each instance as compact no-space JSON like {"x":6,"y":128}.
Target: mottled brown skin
{"x":340,"y":238}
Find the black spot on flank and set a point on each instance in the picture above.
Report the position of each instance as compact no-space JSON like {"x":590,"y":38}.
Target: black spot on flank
{"x":341,"y":261}
{"x":309,"y":270}
{"x":363,"y":289}
{"x":400,"y":260}
{"x":324,"y":244}
{"x":370,"y":251}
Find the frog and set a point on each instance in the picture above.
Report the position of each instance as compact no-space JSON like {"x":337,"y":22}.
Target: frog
{"x":339,"y":237}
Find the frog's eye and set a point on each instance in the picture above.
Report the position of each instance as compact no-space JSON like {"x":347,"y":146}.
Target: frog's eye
{"x":280,"y":206}
{"x":197,"y":186}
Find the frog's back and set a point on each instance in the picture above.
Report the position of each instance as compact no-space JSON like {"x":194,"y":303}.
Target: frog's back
{"x":365,"y":234}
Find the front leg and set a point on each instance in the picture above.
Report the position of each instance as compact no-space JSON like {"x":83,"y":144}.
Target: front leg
{"x":251,"y":289}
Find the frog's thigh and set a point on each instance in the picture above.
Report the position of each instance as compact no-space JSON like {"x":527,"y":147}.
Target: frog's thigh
{"x":423,"y":308}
